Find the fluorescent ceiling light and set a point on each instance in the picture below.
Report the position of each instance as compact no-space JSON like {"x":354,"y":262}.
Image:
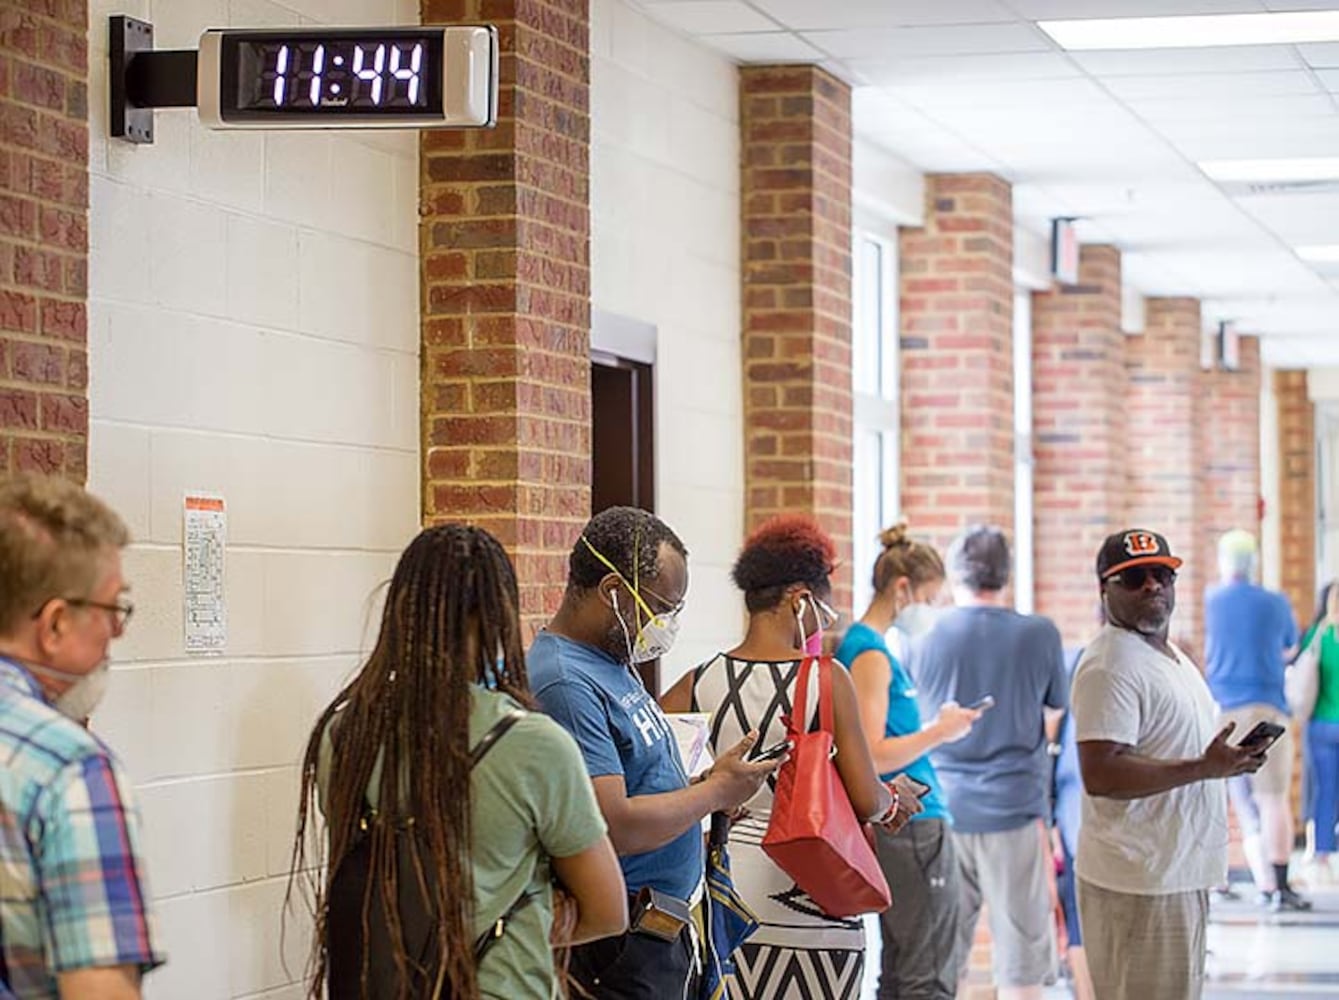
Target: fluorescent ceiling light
{"x":1309,"y":168}
{"x":1325,"y":253}
{"x":1200,"y":31}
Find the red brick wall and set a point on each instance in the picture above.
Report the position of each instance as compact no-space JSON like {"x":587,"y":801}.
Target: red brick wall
{"x":1165,"y":480}
{"x":44,"y":236}
{"x":1230,"y":451}
{"x":796,"y":192}
{"x":1297,"y":491}
{"x":1078,"y":406}
{"x":505,"y":251}
{"x":957,"y":357}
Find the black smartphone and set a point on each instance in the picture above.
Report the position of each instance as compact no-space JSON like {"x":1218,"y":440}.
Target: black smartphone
{"x":1262,"y":736}
{"x":987,"y":702}
{"x":772,"y":753}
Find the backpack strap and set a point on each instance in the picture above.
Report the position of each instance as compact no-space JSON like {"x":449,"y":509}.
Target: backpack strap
{"x":495,"y":733}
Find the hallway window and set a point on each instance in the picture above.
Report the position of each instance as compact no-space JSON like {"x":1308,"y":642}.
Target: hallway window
{"x":874,"y":345}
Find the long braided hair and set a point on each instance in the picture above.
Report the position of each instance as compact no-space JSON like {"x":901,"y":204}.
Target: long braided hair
{"x":451,"y":611}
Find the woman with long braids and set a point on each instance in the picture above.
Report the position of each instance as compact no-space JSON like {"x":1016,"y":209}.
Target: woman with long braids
{"x":448,"y":809}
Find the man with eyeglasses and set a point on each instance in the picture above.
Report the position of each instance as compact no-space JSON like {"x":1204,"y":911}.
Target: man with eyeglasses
{"x":1154,"y":835}
{"x":74,"y":910}
{"x":627,"y":579}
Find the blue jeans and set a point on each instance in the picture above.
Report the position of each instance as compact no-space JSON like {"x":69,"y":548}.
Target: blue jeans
{"x":1323,"y":741}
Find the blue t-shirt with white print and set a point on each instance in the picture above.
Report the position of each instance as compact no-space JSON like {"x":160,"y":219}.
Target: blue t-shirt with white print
{"x":621,"y":731}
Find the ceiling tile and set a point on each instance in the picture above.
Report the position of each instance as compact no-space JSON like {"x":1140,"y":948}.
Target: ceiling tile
{"x":1150,"y":62}
{"x":1329,"y":79}
{"x":961,"y":69}
{"x":1219,"y":85}
{"x":883,"y":43}
{"x":1206,"y":109}
{"x":717,"y":17}
{"x":1042,"y":9}
{"x":776,"y":46}
{"x":1321,"y":55}
{"x":806,"y":14}
{"x":1024,"y":94}
{"x":1298,"y":219}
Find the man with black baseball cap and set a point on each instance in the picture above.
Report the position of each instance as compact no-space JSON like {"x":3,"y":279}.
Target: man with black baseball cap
{"x":1154,"y":836}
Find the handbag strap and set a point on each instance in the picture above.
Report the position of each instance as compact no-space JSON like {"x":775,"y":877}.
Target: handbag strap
{"x":495,"y":733}
{"x":801,"y":703}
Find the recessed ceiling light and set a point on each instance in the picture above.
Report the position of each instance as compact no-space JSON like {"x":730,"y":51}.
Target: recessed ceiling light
{"x":1324,"y":253}
{"x":1307,"y":168}
{"x":1199,"y":31}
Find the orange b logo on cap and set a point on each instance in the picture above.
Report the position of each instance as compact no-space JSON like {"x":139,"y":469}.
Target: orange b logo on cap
{"x":1141,"y":543}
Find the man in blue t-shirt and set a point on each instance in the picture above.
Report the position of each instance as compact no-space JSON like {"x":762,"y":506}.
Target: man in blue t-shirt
{"x":998,"y":778}
{"x":1248,"y":632}
{"x":627,"y":577}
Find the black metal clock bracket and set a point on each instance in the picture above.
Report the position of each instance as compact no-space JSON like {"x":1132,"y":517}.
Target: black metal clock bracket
{"x":142,"y":79}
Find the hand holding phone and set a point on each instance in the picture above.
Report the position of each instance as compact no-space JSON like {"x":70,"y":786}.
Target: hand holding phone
{"x":980,"y":706}
{"x":1262,"y":736}
{"x":775,"y":751}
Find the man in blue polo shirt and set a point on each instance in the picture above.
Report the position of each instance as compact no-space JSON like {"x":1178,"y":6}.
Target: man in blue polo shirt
{"x":627,"y":577}
{"x":1248,"y":631}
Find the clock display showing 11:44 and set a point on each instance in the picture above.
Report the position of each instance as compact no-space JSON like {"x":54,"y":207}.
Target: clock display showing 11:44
{"x":312,"y":75}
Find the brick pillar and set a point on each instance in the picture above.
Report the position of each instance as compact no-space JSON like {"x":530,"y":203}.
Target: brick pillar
{"x":1230,"y":451}
{"x":1078,"y":401}
{"x":505,"y":250}
{"x":1297,"y":491}
{"x":44,"y":237}
{"x":796,"y":193}
{"x":1165,"y":479}
{"x":957,"y":357}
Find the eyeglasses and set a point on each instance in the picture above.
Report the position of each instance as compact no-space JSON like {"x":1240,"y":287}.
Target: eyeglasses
{"x":674,"y":609}
{"x":1135,"y":577}
{"x":121,"y":610}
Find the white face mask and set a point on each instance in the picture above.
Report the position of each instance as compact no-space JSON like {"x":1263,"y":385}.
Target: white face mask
{"x":85,"y":692}
{"x":916,"y":619}
{"x":653,"y":640}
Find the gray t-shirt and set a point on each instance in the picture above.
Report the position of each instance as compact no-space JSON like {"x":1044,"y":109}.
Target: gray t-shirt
{"x":998,"y":777}
{"x":1125,"y":691}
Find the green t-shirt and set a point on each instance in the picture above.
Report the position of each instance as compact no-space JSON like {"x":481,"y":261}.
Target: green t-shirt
{"x":1327,"y":695}
{"x":531,"y":801}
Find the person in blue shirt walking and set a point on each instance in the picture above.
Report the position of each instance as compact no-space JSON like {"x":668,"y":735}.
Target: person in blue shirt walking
{"x":1248,"y":632}
{"x":920,"y":931}
{"x":627,"y":580}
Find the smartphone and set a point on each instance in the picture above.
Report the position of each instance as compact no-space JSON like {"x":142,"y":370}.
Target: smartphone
{"x":772,"y":753}
{"x":987,"y":702}
{"x":1262,"y":736}
{"x":919,"y":787}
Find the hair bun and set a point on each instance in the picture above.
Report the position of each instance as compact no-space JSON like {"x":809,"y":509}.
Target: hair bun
{"x":894,"y":537}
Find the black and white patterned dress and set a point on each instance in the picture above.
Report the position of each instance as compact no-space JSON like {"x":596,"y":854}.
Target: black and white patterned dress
{"x":798,"y":952}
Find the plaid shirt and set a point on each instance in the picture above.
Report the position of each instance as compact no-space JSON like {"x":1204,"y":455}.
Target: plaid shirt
{"x":72,"y":893}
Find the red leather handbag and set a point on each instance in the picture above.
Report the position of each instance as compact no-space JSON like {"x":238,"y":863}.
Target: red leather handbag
{"x":814,"y":835}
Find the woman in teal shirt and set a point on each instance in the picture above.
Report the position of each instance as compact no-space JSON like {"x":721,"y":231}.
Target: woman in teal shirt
{"x":1322,"y":732}
{"x":920,"y":931}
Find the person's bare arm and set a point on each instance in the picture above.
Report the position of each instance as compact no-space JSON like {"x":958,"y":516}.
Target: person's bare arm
{"x":1115,"y":771}
{"x":871,"y":674}
{"x":868,"y":795}
{"x":108,"y":982}
{"x":642,"y":823}
{"x":594,"y":882}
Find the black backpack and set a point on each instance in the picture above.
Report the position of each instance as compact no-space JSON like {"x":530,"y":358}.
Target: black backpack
{"x":346,"y":943}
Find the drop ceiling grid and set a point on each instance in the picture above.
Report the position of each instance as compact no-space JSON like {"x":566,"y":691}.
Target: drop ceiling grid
{"x":974,"y":85}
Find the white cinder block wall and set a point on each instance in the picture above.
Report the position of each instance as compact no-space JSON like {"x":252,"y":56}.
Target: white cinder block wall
{"x":253,"y":332}
{"x":665,"y":251}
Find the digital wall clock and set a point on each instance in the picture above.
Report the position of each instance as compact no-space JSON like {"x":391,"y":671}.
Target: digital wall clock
{"x":279,"y":78}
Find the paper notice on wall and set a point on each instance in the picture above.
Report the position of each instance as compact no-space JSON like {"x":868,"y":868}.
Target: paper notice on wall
{"x":205,"y":528}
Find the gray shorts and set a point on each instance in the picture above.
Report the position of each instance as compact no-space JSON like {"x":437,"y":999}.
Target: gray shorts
{"x":1007,"y":871}
{"x":920,"y":929}
{"x":1144,"y":947}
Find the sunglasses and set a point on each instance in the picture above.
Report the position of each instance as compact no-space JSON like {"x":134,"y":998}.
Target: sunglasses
{"x":1134,"y":577}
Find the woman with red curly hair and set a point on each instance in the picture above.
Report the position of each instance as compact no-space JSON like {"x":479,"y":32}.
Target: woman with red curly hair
{"x":798,"y":952}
